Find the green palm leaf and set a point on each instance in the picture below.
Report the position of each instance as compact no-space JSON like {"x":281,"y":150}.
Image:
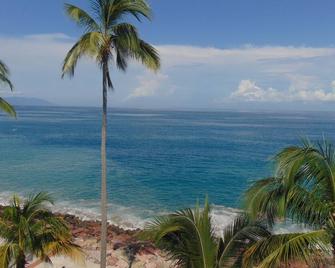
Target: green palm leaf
{"x":237,"y":238}
{"x":302,"y":191}
{"x":4,"y":79}
{"x":82,"y":18}
{"x":186,"y":235}
{"x":28,"y":227}
{"x":279,"y":249}
{"x":6,"y":107}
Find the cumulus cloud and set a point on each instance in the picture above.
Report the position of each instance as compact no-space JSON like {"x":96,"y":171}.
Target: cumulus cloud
{"x":149,"y":84}
{"x":249,"y":91}
{"x":201,"y":74}
{"x":333,"y":84}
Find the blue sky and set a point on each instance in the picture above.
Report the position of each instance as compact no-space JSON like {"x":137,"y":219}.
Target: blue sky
{"x":215,"y":54}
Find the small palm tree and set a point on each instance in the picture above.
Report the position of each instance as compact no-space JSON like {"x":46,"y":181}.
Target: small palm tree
{"x":28,"y":228}
{"x":303,"y":191}
{"x":187,"y":236}
{"x":109,"y":40}
{"x":4,"y":79}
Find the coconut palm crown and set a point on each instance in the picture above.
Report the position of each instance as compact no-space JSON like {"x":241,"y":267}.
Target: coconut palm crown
{"x":108,"y":38}
{"x":4,"y":80}
{"x":110,"y":41}
{"x":29,"y":229}
{"x":188,"y":238}
{"x":303,"y":191}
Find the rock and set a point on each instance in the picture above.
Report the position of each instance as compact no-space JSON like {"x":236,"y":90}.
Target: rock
{"x":123,"y":245}
{"x":112,"y":261}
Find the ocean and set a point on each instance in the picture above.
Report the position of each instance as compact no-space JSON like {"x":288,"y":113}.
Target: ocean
{"x":158,"y":161}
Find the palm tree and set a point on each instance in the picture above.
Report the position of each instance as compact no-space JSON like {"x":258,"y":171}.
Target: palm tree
{"x":109,"y":40}
{"x":4,"y":79}
{"x":28,"y":228}
{"x":302,"y":191}
{"x":187,"y":236}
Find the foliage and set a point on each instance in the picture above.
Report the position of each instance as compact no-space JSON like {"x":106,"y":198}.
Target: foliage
{"x":187,"y":236}
{"x":4,"y":79}
{"x":302,"y":191}
{"x":28,"y":228}
{"x":108,"y":38}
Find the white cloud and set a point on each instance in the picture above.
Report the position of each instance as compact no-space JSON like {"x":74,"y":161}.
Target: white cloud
{"x":201,"y":74}
{"x":207,"y":55}
{"x":333,"y":84}
{"x":249,"y":91}
{"x":47,"y":37}
{"x":149,"y":84}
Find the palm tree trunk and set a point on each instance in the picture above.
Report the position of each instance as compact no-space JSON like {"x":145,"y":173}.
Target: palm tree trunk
{"x":103,"y":240}
{"x":21,"y":261}
{"x":333,"y":247}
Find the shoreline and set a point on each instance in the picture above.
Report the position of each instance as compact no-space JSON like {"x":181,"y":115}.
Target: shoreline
{"x":123,"y":246}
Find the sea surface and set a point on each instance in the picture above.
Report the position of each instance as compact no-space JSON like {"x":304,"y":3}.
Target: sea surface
{"x":158,"y":161}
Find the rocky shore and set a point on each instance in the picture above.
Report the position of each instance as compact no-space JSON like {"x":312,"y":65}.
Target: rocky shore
{"x":124,"y":250}
{"x":123,"y":247}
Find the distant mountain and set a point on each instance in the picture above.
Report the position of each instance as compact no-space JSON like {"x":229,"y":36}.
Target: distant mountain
{"x":23,"y":101}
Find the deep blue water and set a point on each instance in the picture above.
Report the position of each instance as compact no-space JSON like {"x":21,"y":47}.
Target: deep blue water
{"x":158,"y":160}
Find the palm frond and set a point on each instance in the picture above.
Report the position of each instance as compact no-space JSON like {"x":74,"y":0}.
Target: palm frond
{"x":266,"y":198}
{"x":82,"y":18}
{"x":7,"y":108}
{"x":119,"y":9}
{"x":148,"y":55}
{"x":279,"y":249}
{"x":308,"y":165}
{"x":186,"y":235}
{"x":29,"y":227}
{"x":4,"y":75}
{"x":307,"y":208}
{"x":36,"y":204}
{"x":89,"y":44}
{"x":237,"y":238}
{"x":5,"y":80}
{"x":7,"y":252}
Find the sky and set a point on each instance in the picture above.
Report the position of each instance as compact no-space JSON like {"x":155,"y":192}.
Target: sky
{"x":216,"y":54}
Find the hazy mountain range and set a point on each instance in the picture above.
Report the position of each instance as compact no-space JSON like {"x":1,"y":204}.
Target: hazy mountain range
{"x":25,"y":101}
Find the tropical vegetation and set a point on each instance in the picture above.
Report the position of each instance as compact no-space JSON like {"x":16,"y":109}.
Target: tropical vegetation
{"x":301,"y":192}
{"x":4,"y":80}
{"x":109,"y":40}
{"x":188,"y":238}
{"x":29,"y":229}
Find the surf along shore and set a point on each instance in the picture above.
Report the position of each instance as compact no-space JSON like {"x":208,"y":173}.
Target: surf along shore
{"x":123,"y":247}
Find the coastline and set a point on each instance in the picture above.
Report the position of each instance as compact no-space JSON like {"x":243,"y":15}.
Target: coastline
{"x":123,"y":247}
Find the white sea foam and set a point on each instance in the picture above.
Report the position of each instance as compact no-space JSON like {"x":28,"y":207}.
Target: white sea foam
{"x":125,"y":217}
{"x":132,"y":218}
{"x":221,"y":217}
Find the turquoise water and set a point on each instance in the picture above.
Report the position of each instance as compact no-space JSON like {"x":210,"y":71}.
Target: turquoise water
{"x":159,"y":161}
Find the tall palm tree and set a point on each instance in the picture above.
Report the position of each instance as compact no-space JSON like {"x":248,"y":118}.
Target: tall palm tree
{"x":109,"y":40}
{"x":303,"y":191}
{"x":187,"y":236}
{"x":28,"y":228}
{"x":4,"y":79}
